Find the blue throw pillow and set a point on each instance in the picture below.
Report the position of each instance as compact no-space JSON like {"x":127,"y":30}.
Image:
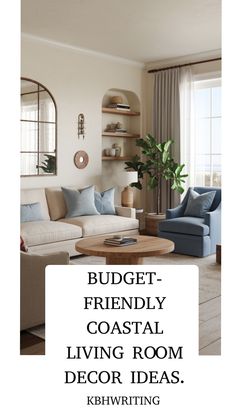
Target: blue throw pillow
{"x":31,"y":212}
{"x":104,"y":201}
{"x":199,"y":204}
{"x":80,"y":202}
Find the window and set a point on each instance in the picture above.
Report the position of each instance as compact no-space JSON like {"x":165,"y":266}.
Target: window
{"x":207,"y":129}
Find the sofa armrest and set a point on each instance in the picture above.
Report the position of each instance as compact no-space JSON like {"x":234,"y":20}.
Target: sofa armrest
{"x":32,"y":290}
{"x":175,"y":212}
{"x":125,"y":212}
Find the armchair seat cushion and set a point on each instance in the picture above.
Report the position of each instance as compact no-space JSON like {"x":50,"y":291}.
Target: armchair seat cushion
{"x":185,"y":225}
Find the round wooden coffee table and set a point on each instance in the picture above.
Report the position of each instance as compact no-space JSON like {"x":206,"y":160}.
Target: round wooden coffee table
{"x":126,"y":255}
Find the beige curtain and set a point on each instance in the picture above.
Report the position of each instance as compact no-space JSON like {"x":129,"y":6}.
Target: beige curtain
{"x":166,"y":123}
{"x":187,"y":145}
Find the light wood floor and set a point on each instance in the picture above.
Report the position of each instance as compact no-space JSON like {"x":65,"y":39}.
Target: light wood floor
{"x":210,"y":327}
{"x":210,"y":295}
{"x":209,"y":308}
{"x":209,"y":332}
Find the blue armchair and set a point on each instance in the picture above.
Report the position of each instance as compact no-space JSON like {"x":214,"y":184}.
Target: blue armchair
{"x":192,"y":235}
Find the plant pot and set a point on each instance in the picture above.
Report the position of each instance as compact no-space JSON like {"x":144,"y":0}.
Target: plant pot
{"x":160,"y":216}
{"x":152,"y":221}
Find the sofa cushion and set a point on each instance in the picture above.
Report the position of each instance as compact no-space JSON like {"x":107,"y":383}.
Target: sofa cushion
{"x":41,"y":232}
{"x":28,"y":196}
{"x":56,"y":203}
{"x":104,"y":201}
{"x":80,"y":202}
{"x":199,"y":204}
{"x":185,"y":225}
{"x":31,"y":212}
{"x":102,"y":224}
{"x":217,"y":199}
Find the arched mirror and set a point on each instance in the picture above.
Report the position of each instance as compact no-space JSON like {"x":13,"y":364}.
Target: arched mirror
{"x":38,"y":130}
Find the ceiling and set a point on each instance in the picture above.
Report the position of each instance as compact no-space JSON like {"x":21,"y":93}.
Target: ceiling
{"x":138,"y":30}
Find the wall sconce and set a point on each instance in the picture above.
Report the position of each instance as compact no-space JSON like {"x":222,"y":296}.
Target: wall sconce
{"x":81,"y":125}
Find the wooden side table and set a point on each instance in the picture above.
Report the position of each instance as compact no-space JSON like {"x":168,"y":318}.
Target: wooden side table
{"x":152,"y":221}
{"x":218,"y":253}
{"x":140,"y":215}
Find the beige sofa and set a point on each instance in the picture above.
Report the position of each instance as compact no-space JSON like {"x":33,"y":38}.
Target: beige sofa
{"x":57,"y":233}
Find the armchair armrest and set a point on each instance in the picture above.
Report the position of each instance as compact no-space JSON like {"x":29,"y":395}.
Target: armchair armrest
{"x":32,"y":290}
{"x":125,"y":212}
{"x":33,"y":261}
{"x":175,"y":212}
{"x":213,"y":218}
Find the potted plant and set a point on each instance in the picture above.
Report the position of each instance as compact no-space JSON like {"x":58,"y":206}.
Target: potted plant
{"x":49,"y":164}
{"x":158,"y":165}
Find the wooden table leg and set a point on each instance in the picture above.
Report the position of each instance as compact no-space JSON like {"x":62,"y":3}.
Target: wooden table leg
{"x":218,"y":253}
{"x":131,"y":260}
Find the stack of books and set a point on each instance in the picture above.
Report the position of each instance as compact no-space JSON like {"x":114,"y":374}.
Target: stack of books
{"x":120,"y":241}
{"x":123,"y":130}
{"x":119,"y":106}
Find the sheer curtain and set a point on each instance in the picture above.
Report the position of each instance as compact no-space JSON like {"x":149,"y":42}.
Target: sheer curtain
{"x":187,"y":145}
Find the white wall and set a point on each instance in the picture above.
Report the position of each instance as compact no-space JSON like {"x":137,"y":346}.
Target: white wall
{"x":78,"y":81}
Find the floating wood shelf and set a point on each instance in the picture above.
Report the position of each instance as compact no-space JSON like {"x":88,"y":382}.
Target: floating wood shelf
{"x":120,"y":134}
{"x":128,"y":122}
{"x":123,"y":158}
{"x":120,"y":112}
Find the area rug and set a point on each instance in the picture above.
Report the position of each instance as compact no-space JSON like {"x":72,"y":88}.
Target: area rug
{"x":209,"y":270}
{"x":209,"y":275}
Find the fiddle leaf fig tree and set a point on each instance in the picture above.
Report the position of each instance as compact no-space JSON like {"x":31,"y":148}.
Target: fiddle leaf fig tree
{"x":158,"y":165}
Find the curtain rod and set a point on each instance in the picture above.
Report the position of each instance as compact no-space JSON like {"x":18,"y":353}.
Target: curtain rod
{"x":155,"y":70}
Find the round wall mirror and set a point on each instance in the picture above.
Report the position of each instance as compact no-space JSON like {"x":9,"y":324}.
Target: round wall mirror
{"x":38,"y":130}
